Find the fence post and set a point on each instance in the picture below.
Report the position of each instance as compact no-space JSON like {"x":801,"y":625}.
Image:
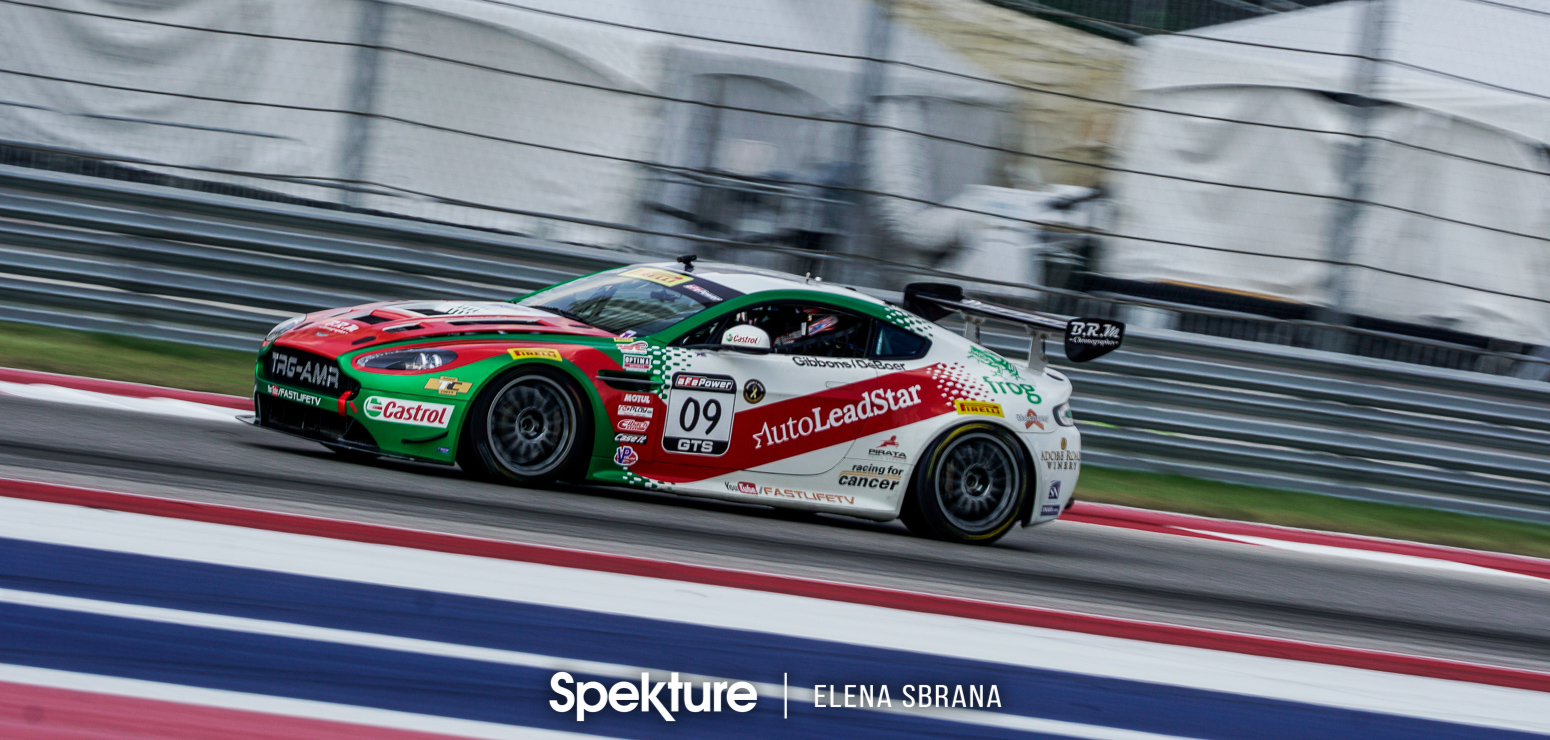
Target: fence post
{"x":1353,"y":172}
{"x":879,"y":31}
{"x":363,"y":100}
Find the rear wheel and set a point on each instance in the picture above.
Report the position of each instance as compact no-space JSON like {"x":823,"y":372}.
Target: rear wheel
{"x":529,"y":426}
{"x":969,"y":487}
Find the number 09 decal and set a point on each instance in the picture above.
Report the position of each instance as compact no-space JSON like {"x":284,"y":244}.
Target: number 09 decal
{"x":700,"y":413}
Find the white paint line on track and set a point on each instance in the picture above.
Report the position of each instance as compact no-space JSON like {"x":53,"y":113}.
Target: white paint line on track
{"x":529,"y":660}
{"x":741,"y":609}
{"x":1374,"y":556}
{"x":161,"y":406}
{"x":304,"y":708}
{"x":195,"y":410}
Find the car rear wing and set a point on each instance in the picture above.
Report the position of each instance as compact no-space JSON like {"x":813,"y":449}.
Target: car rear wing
{"x":1085,"y":339}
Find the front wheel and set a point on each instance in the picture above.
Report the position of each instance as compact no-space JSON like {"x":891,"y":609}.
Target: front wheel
{"x":529,"y":426}
{"x":969,"y":487}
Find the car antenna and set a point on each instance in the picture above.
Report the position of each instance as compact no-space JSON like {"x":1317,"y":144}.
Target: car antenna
{"x":688,"y":261}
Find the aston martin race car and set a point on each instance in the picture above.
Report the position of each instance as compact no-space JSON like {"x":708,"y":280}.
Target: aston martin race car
{"x":708,"y":380}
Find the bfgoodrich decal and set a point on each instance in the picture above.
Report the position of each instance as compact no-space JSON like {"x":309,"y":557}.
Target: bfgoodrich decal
{"x":400,"y":411}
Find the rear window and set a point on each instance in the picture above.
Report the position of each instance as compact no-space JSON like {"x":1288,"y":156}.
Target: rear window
{"x":893,"y":343}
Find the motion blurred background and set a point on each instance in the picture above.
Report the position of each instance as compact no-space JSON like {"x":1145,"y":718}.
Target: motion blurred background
{"x":1248,"y":168}
{"x":1325,"y":224}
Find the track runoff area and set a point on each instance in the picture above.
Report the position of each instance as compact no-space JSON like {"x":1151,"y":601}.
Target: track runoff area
{"x":143,"y":617}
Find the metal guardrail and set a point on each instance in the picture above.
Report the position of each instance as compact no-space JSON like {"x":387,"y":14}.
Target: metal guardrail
{"x":219,"y":271}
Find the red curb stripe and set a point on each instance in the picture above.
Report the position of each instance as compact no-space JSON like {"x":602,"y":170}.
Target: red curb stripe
{"x":1089,"y":513}
{"x":122,"y":388}
{"x":848,"y":593}
{"x":1170,"y":523}
{"x":45,"y":713}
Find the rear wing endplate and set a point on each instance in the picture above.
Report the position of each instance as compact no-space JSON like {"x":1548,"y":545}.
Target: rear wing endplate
{"x":1085,"y":339}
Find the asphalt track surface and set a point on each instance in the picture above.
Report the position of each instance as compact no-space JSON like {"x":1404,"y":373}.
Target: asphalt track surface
{"x":1499,"y":620}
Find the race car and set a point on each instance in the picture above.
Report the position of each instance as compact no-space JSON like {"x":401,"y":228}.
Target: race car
{"x":706,"y":379}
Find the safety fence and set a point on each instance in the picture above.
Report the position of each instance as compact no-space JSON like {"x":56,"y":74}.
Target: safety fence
{"x":924,"y":130}
{"x":220,"y":271}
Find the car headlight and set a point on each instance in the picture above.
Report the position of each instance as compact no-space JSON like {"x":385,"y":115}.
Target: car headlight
{"x":283,"y":327}
{"x":1063,"y":415}
{"x":408,"y":359}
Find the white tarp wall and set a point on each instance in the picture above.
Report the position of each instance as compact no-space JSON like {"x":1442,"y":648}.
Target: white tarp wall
{"x":461,"y":100}
{"x":1279,"y":216}
{"x":177,"y":93}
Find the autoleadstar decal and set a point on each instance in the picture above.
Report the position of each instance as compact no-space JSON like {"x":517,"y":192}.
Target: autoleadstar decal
{"x":768,"y":432}
{"x":873,"y":403}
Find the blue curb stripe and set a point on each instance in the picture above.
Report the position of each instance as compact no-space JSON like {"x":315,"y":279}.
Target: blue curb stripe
{"x":584,"y":635}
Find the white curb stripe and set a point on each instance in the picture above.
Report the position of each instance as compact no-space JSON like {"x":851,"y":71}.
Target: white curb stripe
{"x":528,"y":660}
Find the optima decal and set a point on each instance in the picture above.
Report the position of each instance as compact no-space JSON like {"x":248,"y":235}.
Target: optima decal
{"x":401,"y":411}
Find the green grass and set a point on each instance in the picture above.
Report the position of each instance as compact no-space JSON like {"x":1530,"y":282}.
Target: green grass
{"x":33,"y":347}
{"x":1312,"y":511}
{"x":225,"y":371}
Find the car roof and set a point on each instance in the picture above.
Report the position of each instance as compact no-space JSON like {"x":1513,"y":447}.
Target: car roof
{"x":750,"y":280}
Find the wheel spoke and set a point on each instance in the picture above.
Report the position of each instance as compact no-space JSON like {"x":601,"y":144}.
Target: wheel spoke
{"x":977,"y":482}
{"x":531,"y":425}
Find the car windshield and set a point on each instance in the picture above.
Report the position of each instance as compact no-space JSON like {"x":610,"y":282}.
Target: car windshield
{"x":618,"y":303}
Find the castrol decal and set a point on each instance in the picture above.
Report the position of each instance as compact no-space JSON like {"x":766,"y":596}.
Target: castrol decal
{"x":402,"y":411}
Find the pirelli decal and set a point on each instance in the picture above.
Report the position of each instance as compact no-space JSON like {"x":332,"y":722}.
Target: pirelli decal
{"x":660,"y":277}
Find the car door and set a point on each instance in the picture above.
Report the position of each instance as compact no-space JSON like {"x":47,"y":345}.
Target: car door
{"x":775,"y":412}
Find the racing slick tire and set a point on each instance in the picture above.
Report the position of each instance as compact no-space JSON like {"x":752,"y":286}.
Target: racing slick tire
{"x":530,"y":426}
{"x":970,"y":486}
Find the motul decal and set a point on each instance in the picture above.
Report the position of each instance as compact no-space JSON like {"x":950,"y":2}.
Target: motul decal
{"x":774,"y":431}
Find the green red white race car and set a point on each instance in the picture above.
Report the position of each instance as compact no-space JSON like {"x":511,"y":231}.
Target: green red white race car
{"x":704,"y":380}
